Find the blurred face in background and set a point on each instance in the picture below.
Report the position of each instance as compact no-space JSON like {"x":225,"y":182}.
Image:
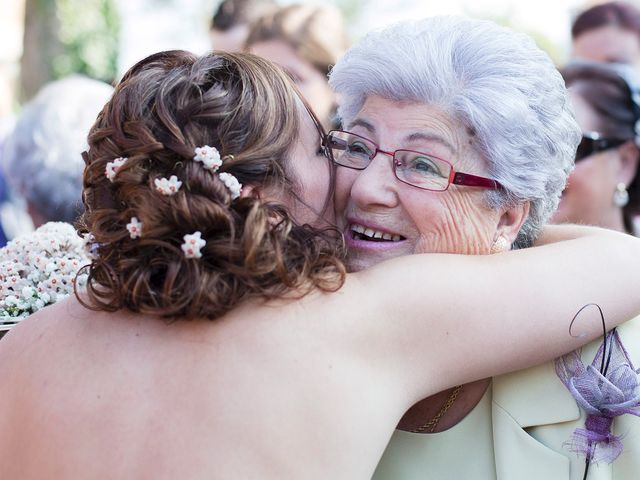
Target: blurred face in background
{"x":588,"y":197}
{"x":312,"y":83}
{"x":609,"y":43}
{"x":230,"y":40}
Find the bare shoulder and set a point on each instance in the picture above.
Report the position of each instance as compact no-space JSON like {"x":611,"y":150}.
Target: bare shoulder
{"x":24,"y":338}
{"x":36,"y":346}
{"x":29,"y":354}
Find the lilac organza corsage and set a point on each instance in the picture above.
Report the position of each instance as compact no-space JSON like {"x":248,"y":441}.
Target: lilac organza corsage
{"x":606,"y":389}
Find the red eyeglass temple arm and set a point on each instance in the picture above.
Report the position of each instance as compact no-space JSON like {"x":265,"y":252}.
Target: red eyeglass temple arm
{"x":474,"y":181}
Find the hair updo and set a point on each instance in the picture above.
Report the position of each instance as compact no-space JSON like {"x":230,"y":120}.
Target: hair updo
{"x":165,"y":106}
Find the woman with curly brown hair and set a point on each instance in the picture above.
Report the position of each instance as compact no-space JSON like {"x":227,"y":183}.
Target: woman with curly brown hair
{"x":205,"y":193}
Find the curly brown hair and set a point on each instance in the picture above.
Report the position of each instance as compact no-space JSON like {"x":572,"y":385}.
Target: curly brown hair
{"x":165,"y":106}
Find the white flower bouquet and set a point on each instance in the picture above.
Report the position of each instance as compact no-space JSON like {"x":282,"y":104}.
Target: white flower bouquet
{"x":39,"y":269}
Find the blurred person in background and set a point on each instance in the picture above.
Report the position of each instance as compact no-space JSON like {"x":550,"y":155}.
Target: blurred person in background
{"x":609,"y":32}
{"x":604,"y":188}
{"x":42,"y":155}
{"x":231,"y":22}
{"x":306,"y":41}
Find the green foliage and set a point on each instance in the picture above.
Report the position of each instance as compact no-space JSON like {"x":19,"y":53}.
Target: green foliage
{"x":351,"y":9}
{"x":88,"y":33}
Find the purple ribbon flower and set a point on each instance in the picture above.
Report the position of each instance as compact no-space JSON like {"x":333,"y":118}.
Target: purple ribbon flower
{"x":606,"y":389}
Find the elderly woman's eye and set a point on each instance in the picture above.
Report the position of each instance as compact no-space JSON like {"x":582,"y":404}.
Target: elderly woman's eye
{"x":425,"y":166}
{"x":336,"y":143}
{"x":359,"y":148}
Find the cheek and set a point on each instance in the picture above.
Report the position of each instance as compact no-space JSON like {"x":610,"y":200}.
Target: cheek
{"x":460,"y":224}
{"x":312,"y":187}
{"x":318,"y":182}
{"x":311,"y":177}
{"x":344,"y":181}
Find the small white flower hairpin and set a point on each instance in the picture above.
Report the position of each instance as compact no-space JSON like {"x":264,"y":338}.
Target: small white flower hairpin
{"x":232,"y":183}
{"x":90,"y":246}
{"x":168,"y":187}
{"x":112,"y":167}
{"x":193,"y":244}
{"x":134,"y":227}
{"x":209,"y":156}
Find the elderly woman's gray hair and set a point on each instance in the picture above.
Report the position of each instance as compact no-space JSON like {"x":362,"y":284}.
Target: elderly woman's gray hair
{"x":42,"y":156}
{"x":495,"y":82}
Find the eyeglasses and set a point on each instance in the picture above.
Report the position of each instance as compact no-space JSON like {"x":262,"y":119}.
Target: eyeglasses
{"x":593,"y":142}
{"x":417,"y":169}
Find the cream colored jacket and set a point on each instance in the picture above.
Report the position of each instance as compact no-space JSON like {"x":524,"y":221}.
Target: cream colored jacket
{"x":527,"y":415}
{"x":534,"y":414}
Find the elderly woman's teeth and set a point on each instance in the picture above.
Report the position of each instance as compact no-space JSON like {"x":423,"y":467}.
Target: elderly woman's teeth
{"x":363,"y":233}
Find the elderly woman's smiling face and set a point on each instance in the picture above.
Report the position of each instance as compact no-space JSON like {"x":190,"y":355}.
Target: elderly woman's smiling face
{"x":383,"y":218}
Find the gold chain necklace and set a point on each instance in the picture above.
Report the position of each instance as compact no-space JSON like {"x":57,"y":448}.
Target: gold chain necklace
{"x":431,"y":425}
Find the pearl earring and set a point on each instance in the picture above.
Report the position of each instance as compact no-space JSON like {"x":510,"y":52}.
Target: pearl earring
{"x":621,"y":196}
{"x":500,"y":244}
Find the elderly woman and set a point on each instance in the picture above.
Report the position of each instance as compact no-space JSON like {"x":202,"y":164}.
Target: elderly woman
{"x":427,"y":108}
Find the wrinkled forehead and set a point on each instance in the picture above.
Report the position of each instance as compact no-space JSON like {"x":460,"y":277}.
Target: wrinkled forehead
{"x":397,"y":124}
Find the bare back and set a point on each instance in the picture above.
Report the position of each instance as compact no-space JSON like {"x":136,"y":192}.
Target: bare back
{"x":126,"y":396}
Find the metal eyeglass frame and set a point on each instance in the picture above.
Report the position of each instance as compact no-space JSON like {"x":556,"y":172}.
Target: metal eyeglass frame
{"x":455,"y":178}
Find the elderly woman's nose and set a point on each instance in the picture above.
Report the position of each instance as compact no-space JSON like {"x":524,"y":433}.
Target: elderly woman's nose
{"x":376,"y":184}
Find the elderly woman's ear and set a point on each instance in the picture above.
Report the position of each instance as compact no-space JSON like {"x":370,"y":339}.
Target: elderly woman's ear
{"x":509,"y":224}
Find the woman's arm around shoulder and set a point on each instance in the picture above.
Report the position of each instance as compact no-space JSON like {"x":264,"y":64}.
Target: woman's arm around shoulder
{"x":433,"y":321}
